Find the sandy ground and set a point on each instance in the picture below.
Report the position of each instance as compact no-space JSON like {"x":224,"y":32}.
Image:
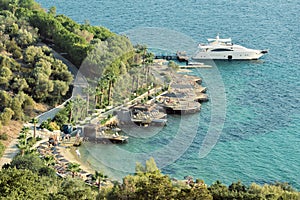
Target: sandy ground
{"x":69,"y":154}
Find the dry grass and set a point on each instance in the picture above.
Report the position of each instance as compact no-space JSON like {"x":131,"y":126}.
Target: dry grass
{"x":14,"y":127}
{"x":41,"y":108}
{"x":12,"y":130}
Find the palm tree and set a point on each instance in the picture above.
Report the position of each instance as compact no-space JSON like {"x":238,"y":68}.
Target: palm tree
{"x":34,"y":121}
{"x":148,"y":61}
{"x":102,"y":85}
{"x":137,"y":82}
{"x":69,"y":108}
{"x":99,"y":177}
{"x":22,"y":145}
{"x":143,"y":49}
{"x":73,"y":168}
{"x":24,"y":133}
{"x":79,"y":108}
{"x":89,"y":91}
{"x":134,"y":74}
{"x":97,"y":94}
{"x":111,"y":77}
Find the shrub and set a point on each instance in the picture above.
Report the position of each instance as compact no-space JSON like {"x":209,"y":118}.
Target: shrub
{"x":45,"y":124}
{"x":11,"y":46}
{"x":173,"y":65}
{"x":6,"y":116}
{"x":3,"y":136}
{"x":53,"y":126}
{"x":17,"y":54}
{"x":2,"y":148}
{"x":31,"y":141}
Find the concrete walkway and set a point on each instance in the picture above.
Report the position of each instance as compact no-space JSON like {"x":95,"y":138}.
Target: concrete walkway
{"x":10,"y":152}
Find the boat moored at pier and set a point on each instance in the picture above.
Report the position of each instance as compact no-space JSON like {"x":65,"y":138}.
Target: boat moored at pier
{"x":224,"y":49}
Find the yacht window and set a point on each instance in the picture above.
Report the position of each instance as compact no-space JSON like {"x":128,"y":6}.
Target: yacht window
{"x":222,"y":50}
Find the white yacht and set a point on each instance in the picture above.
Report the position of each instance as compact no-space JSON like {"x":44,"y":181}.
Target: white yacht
{"x":224,"y":49}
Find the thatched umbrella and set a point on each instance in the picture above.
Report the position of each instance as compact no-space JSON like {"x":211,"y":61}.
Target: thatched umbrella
{"x":58,"y":155}
{"x":63,"y":160}
{"x":83,"y":172}
{"x":41,"y":147}
{"x":89,"y":175}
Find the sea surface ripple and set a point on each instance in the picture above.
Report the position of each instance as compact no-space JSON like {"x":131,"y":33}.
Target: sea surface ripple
{"x":260,"y":140}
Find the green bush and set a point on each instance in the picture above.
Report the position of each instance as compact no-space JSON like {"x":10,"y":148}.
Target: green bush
{"x":31,"y":141}
{"x":2,"y":148}
{"x":173,"y":65}
{"x":38,"y":138}
{"x":17,"y":54}
{"x":45,"y":124}
{"x":3,"y":136}
{"x":6,"y":116}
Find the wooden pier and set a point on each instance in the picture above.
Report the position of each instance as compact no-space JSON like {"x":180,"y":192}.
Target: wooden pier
{"x":179,"y":56}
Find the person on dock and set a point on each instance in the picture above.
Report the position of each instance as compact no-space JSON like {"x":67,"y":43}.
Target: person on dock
{"x":77,"y":152}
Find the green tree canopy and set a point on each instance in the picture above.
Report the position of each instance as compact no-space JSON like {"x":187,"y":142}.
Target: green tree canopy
{"x":6,"y":116}
{"x":23,"y":184}
{"x":31,"y":162}
{"x":74,"y":189}
{"x":5,"y":100}
{"x":16,"y":106}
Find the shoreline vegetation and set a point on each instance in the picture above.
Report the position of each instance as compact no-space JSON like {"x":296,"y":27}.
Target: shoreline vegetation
{"x":31,"y":78}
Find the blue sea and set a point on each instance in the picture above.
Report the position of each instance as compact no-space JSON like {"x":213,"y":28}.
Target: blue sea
{"x":250,"y":128}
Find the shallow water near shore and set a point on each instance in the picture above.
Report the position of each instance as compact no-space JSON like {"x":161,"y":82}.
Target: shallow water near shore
{"x":260,"y":140}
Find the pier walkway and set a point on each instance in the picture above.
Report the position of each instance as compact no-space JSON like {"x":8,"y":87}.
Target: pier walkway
{"x":179,"y":56}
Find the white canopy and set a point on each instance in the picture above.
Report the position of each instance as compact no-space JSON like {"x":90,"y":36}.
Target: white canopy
{"x":219,"y":40}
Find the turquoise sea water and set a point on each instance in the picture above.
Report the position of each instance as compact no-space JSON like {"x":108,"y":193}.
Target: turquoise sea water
{"x":260,"y":140}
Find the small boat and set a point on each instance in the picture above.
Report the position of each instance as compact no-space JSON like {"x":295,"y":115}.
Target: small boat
{"x":194,"y":63}
{"x":224,"y":49}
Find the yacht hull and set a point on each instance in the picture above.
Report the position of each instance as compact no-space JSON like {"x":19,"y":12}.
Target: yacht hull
{"x":233,"y":55}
